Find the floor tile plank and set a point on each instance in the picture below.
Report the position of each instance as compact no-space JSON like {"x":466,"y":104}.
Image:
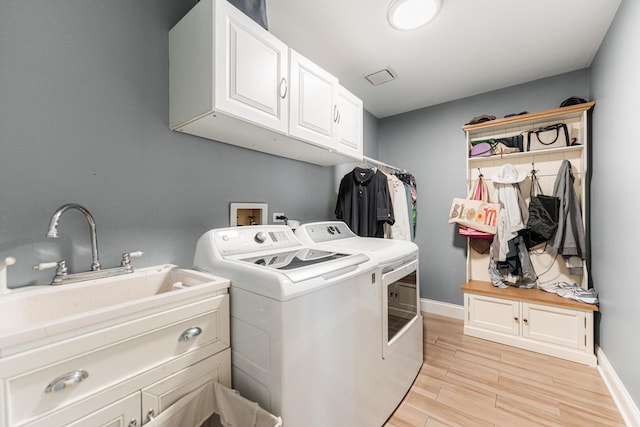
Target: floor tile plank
{"x":466,"y":381}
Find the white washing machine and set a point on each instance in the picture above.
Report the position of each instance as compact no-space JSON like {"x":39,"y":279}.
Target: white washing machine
{"x":400,"y":348}
{"x":304,"y":325}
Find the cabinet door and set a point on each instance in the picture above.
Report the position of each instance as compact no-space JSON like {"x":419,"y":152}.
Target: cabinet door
{"x":251,"y":70}
{"x":122,"y":413}
{"x":312,"y":109}
{"x":554,"y":325}
{"x":159,"y":396}
{"x":495,"y":314}
{"x":349,"y":124}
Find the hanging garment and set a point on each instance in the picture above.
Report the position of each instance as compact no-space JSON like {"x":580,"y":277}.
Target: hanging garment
{"x":410,"y":181}
{"x":509,"y":261}
{"x":411,"y":211}
{"x":516,"y":269}
{"x":364,"y":202}
{"x":401,"y":228}
{"x":512,"y":218}
{"x":568,"y":240}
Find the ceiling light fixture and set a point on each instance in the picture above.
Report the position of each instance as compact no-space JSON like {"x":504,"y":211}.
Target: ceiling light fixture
{"x":411,"y":14}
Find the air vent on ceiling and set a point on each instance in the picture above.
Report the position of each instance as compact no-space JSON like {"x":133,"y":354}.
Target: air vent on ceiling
{"x":382,"y":76}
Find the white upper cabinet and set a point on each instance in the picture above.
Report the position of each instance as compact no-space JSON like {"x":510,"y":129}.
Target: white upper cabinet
{"x":252,"y":73}
{"x":232,"y":81}
{"x":349,"y":121}
{"x":314,"y":93}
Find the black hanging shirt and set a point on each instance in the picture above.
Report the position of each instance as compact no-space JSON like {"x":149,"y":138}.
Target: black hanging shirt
{"x":364,"y":202}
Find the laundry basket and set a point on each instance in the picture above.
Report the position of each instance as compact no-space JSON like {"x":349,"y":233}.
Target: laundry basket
{"x":195,"y":410}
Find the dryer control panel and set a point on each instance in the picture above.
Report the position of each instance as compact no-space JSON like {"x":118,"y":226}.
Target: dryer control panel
{"x":326,"y":231}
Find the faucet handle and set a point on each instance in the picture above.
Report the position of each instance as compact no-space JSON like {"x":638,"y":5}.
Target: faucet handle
{"x":7,"y":262}
{"x":45,"y":265}
{"x":126,"y":258}
{"x":61,"y":267}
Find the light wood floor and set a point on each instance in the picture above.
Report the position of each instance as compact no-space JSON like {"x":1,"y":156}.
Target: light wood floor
{"x":466,"y":381}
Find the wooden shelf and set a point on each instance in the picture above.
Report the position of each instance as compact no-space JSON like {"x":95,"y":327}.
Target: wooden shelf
{"x":577,"y":147}
{"x":572,"y":110}
{"x":523,"y":294}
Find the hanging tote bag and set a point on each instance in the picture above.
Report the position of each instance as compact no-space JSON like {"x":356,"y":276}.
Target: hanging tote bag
{"x":478,"y":214}
{"x":480,"y":241}
{"x":543,"y":215}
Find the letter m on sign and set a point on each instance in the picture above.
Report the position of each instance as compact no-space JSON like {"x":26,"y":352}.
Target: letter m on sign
{"x":490,"y":216}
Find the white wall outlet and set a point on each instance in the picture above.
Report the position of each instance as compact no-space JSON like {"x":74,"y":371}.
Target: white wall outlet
{"x":275,"y":216}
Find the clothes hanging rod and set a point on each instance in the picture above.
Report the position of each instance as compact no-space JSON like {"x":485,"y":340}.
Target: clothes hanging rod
{"x":370,"y":161}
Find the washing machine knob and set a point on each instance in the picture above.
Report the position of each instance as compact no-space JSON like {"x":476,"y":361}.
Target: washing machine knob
{"x":260,"y":237}
{"x":331,"y":230}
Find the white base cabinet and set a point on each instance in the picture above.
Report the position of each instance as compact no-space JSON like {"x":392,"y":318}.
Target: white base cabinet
{"x":531,"y":319}
{"x":120,"y":374}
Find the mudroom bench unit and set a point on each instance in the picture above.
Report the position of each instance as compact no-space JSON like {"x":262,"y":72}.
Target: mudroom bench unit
{"x":531,"y":319}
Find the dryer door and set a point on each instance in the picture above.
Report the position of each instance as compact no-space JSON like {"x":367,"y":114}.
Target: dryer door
{"x":400,"y":308}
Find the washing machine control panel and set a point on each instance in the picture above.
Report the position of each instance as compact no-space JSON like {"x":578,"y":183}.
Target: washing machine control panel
{"x":325,"y":231}
{"x":244,"y":240}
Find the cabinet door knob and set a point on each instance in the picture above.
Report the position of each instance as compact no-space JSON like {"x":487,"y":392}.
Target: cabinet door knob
{"x":284,"y":88}
{"x":67,"y":380}
{"x":525,"y":321}
{"x":190,"y":333}
{"x":133,"y":423}
{"x":516,"y":319}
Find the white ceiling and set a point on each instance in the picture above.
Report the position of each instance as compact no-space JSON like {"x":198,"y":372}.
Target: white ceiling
{"x":472,"y":47}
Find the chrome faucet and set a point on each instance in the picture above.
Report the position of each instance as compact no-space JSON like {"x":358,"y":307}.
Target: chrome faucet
{"x":53,"y":230}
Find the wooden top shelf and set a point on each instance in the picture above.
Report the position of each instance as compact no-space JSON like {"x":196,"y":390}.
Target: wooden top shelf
{"x":522,"y":294}
{"x":540,"y":115}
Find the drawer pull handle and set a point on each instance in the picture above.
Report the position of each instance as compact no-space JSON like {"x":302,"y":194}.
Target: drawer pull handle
{"x":190,"y":333}
{"x":67,"y":380}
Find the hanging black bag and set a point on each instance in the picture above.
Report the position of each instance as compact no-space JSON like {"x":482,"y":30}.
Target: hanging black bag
{"x":543,"y":215}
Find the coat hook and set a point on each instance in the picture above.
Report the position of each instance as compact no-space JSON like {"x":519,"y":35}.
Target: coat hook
{"x":480,"y":173}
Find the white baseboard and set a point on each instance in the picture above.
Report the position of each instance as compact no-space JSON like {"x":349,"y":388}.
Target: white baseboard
{"x":442,"y":308}
{"x":627,"y":407}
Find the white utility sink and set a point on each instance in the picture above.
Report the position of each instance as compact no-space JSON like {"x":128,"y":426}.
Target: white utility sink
{"x":36,"y":313}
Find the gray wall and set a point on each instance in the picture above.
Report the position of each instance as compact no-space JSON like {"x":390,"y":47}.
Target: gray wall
{"x":431,"y":144}
{"x":615,"y":86}
{"x":83,"y":118}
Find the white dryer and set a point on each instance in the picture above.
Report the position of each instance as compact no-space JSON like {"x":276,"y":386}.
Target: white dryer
{"x":304,"y":325}
{"x":401,"y":346}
